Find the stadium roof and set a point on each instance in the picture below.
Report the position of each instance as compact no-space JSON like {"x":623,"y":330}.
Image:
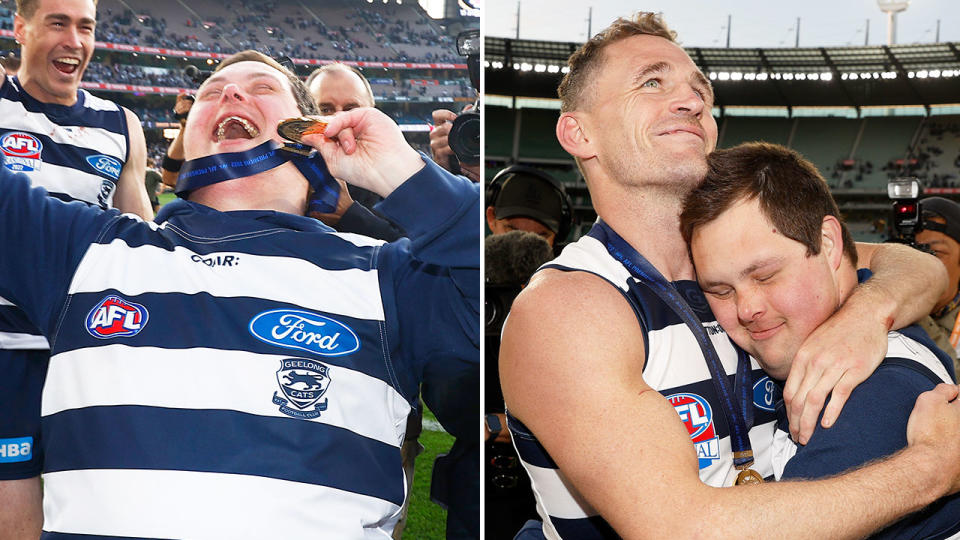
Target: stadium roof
{"x":783,"y":77}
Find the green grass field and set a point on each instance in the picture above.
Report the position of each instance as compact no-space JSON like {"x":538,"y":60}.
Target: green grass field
{"x":425,"y":520}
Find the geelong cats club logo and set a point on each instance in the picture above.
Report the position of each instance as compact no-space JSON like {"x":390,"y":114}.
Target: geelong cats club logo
{"x":302,"y":383}
{"x":116,"y":317}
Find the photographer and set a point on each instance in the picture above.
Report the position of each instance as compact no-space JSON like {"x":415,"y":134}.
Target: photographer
{"x":528,"y":210}
{"x":940,"y":231}
{"x":455,"y":138}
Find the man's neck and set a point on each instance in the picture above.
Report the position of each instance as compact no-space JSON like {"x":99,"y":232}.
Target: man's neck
{"x":30,"y":86}
{"x":282,"y":189}
{"x":649,"y":220}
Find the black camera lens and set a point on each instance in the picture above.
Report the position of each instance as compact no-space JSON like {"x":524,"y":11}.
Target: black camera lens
{"x":464,"y":137}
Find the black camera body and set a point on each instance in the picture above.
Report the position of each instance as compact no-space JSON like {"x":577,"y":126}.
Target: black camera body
{"x":464,"y":137}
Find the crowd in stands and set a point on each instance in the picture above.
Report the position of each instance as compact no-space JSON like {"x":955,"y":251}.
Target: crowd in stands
{"x":354,"y":33}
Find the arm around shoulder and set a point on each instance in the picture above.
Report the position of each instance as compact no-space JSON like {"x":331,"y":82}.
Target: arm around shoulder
{"x":571,"y":364}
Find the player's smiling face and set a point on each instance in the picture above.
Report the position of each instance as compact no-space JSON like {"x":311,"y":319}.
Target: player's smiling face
{"x":57,"y":43}
{"x":237,"y":109}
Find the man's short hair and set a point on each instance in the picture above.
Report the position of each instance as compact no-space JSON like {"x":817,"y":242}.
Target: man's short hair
{"x":26,"y":8}
{"x":300,"y":93}
{"x":337,"y":66}
{"x":588,"y":58}
{"x":791,"y":192}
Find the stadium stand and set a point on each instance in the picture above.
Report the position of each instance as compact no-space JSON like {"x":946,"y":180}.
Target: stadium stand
{"x":878,"y":113}
{"x":143,"y":47}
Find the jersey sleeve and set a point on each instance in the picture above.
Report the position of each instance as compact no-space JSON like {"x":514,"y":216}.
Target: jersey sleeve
{"x":435,"y":280}
{"x":873,"y":424}
{"x":43,"y":240}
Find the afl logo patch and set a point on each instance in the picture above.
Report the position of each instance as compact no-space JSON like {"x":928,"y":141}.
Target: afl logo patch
{"x":306,"y":331}
{"x":21,"y":151}
{"x":302,"y":383}
{"x":116,"y":317}
{"x":697,"y":416}
{"x":765,"y":394}
{"x":107,"y":165}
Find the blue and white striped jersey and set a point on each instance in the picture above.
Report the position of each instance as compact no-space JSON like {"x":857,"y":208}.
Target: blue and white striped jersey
{"x":76,"y":152}
{"x":244,"y":374}
{"x":676,"y":368}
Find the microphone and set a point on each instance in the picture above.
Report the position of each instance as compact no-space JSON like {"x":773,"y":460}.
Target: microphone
{"x":513,"y":257}
{"x":196,"y":74}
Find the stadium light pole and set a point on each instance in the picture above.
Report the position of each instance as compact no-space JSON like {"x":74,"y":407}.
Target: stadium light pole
{"x":891,"y":8}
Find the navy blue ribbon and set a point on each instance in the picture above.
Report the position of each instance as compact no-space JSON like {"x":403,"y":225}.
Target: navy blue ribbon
{"x":197,"y":173}
{"x":736,"y":402}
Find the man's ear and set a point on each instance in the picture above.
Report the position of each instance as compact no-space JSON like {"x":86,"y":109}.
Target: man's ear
{"x":572,"y":136}
{"x":491,"y":217}
{"x":831,"y":240}
{"x":18,"y":28}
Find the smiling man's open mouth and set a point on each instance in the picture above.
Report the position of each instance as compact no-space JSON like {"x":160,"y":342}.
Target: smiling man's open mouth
{"x":66,"y":64}
{"x":235,"y":127}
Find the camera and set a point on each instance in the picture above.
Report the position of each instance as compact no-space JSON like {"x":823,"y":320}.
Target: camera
{"x":907,"y":222}
{"x":464,"y":138}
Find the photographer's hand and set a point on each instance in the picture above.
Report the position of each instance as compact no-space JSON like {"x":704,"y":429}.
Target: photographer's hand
{"x":440,"y":145}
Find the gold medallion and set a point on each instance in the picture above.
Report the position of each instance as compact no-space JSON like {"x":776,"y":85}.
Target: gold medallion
{"x":749,"y":477}
{"x":293,"y":129}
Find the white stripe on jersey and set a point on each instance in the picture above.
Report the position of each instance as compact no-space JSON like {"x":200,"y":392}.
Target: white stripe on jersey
{"x":353,"y":292}
{"x":10,"y":340}
{"x":550,"y":486}
{"x":359,"y":239}
{"x":207,"y":506}
{"x":77,"y":184}
{"x":18,"y":118}
{"x":246,"y":382}
{"x":98,"y":104}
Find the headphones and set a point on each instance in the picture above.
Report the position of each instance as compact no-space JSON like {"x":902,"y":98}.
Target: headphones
{"x":566,"y":204}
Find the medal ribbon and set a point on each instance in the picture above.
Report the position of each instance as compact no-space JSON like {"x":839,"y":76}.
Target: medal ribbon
{"x":734,"y":401}
{"x":197,"y":173}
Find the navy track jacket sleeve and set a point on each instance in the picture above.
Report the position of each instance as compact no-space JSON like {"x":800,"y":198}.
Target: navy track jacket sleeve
{"x":437,"y":287}
{"x":43,"y":240}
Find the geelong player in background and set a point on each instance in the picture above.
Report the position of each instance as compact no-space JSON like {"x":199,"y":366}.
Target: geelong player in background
{"x":79,"y":147}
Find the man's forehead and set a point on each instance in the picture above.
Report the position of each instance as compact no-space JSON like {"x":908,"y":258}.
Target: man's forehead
{"x":47,"y":8}
{"x":645,"y":49}
{"x":244,"y":71}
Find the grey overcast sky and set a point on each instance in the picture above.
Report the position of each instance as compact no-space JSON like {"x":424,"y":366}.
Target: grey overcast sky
{"x":755,"y":23}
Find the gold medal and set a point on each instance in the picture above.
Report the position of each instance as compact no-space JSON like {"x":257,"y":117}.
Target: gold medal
{"x":749,"y":477}
{"x":293,"y":129}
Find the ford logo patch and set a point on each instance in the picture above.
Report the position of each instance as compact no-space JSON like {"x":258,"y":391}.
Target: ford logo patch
{"x":108,"y":165}
{"x":306,"y":331}
{"x":766,"y":394}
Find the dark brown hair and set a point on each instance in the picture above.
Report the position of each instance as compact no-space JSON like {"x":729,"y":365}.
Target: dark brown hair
{"x":300,"y":93}
{"x":585,"y":61}
{"x":790,"y":190}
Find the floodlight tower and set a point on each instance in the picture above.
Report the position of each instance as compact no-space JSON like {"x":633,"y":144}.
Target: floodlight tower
{"x":891,"y":8}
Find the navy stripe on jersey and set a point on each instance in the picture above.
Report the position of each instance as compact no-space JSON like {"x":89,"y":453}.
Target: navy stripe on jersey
{"x":527,"y":446}
{"x":212,"y":441}
{"x":591,"y":527}
{"x":72,"y":115}
{"x":14,"y":320}
{"x":707,"y":390}
{"x":203,"y":320}
{"x":69,"y":156}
